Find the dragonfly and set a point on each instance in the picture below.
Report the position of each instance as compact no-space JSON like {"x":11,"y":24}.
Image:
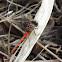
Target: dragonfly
{"x":28,"y":30}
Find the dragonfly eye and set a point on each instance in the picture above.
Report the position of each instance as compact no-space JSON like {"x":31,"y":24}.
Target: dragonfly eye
{"x":35,"y":23}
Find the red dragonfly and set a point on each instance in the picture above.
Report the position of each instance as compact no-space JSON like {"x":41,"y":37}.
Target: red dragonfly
{"x":27,"y":31}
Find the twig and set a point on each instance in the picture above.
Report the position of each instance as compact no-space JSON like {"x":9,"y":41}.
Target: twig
{"x":13,"y":14}
{"x":18,"y":28}
{"x":3,"y":12}
{"x":44,"y":61}
{"x":2,"y":21}
{"x":9,"y":39}
{"x":57,"y":7}
{"x":17,"y":5}
{"x":2,"y":17}
{"x":54,"y":49}
{"x":22,"y":8}
{"x":15,"y":36}
{"x":40,"y":53}
{"x":4,"y":54}
{"x":34,"y":8}
{"x":4,"y":35}
{"x":49,"y":51}
{"x":3,"y":7}
{"x":9,"y":20}
{"x":9,"y":6}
